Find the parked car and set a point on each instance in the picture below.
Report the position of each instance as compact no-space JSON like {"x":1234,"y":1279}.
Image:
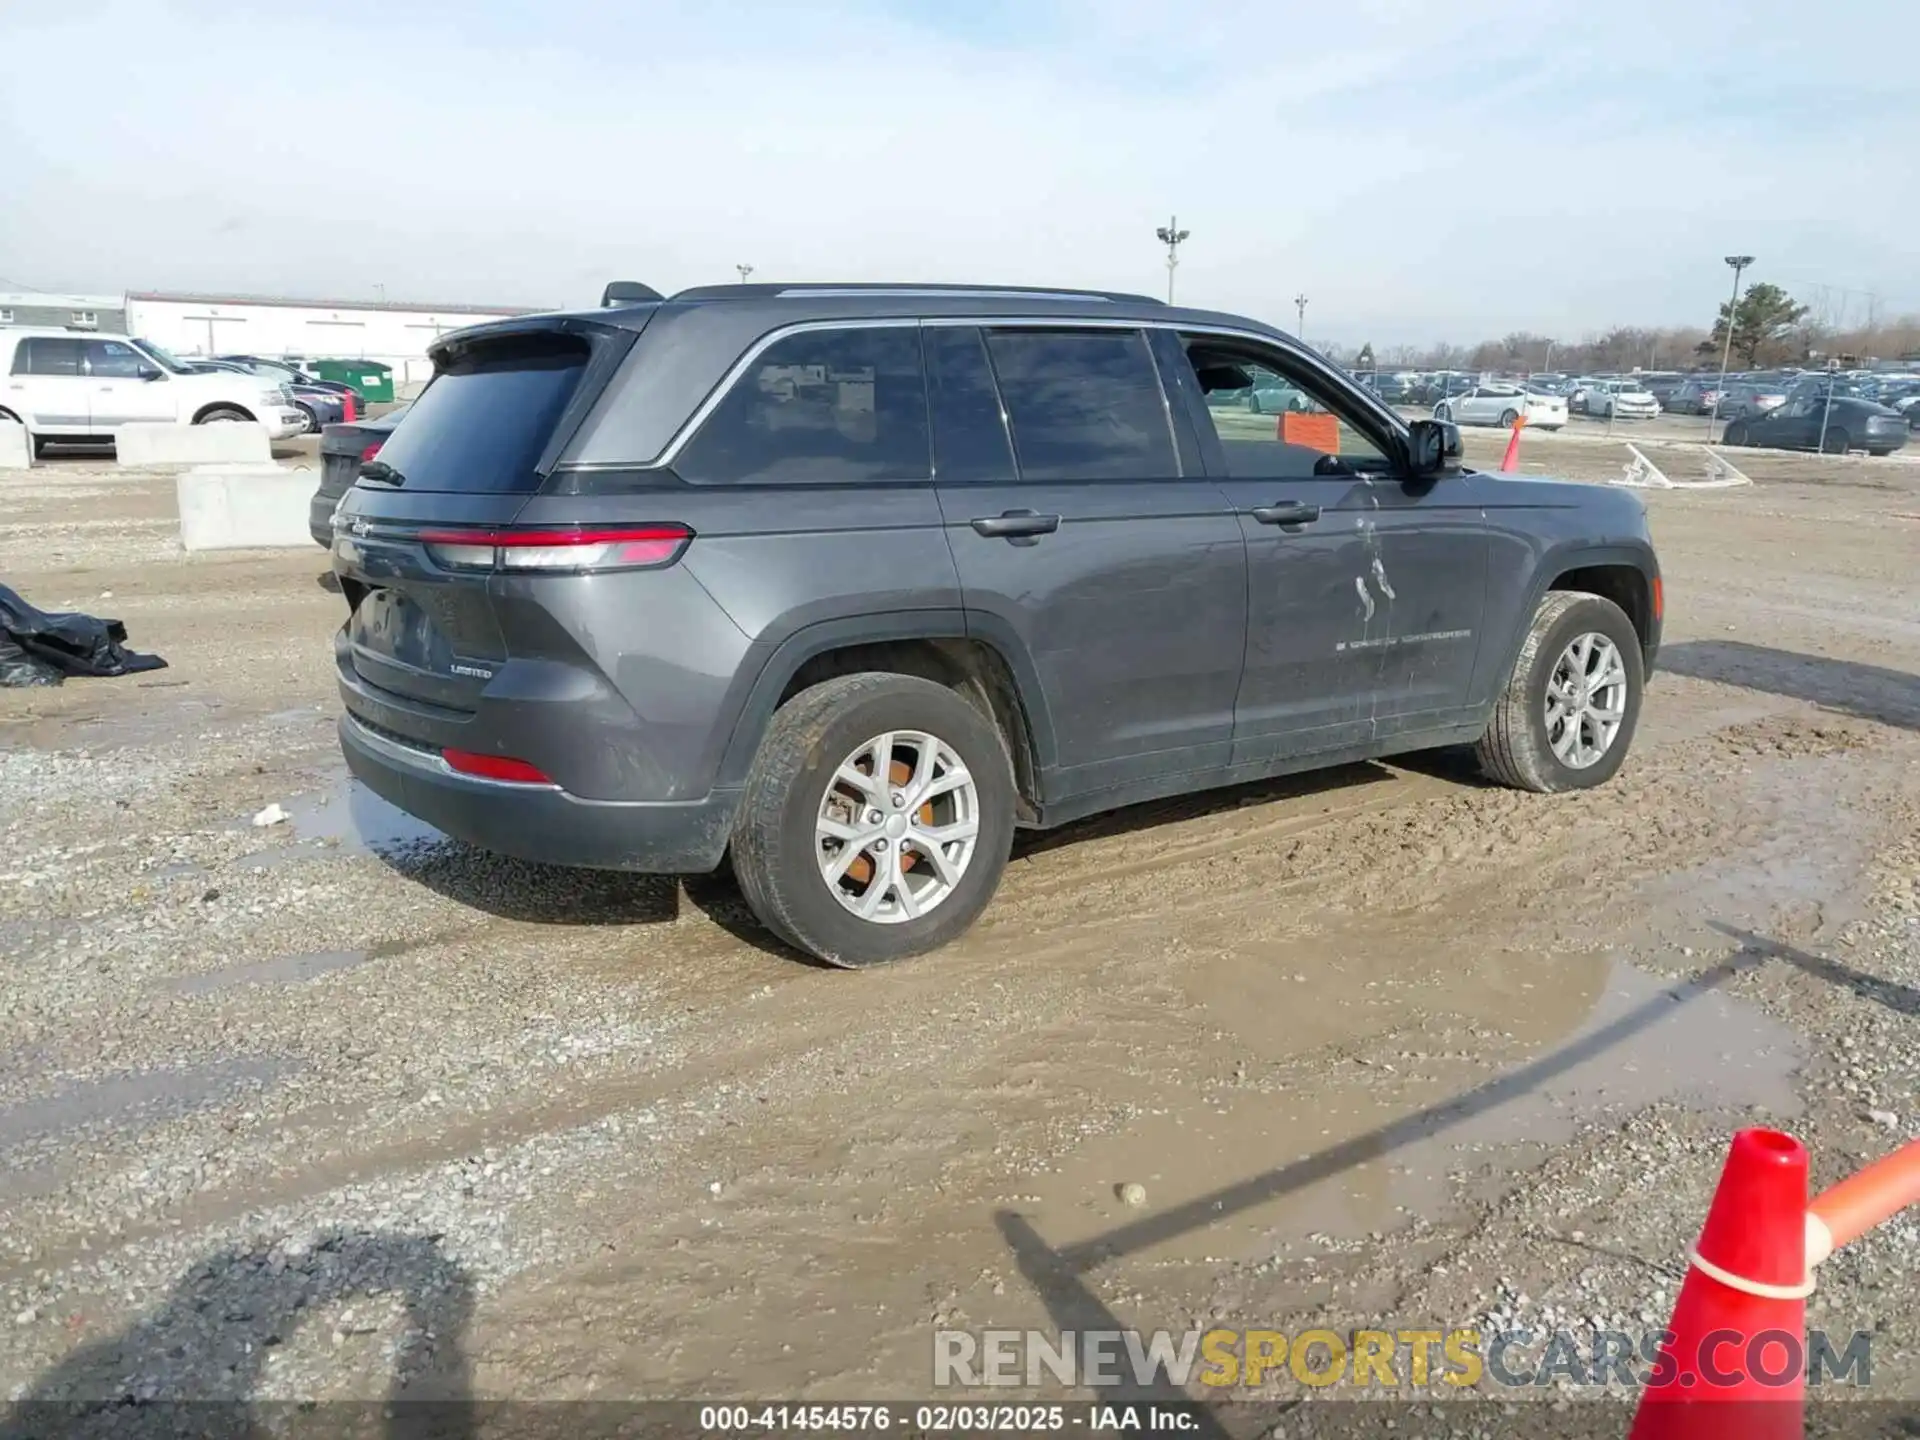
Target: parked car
{"x":63,"y":386}
{"x":1389,"y":387}
{"x":1624,"y":399}
{"x":1663,"y":386}
{"x":1577,"y":392}
{"x":320,"y":407}
{"x":292,"y":374}
{"x":1748,"y":401}
{"x":1809,"y":421}
{"x":1446,"y":385}
{"x":616,"y":594}
{"x":344,"y":448}
{"x":1693,"y":397}
{"x":1499,"y":403}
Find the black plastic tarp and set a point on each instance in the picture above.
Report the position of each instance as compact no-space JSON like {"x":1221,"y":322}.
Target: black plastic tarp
{"x":41,"y":649}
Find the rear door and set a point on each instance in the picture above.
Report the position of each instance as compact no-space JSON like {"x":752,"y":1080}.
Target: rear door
{"x":420,"y":634}
{"x":1089,"y":539}
{"x":49,"y":386}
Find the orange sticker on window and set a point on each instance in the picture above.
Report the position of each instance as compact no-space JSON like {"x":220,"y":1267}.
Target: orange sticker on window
{"x":1314,"y":432}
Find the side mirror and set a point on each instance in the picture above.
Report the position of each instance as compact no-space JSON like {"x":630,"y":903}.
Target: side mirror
{"x":151,"y":373}
{"x":1433,"y":449}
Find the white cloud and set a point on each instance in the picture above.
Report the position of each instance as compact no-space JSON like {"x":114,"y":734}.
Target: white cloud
{"x":1419,"y":170}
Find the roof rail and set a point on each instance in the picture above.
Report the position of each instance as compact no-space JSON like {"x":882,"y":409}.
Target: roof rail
{"x":912,"y":292}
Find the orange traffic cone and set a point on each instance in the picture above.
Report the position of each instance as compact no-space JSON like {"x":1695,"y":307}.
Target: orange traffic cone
{"x":1734,"y":1363}
{"x":1511,"y":460}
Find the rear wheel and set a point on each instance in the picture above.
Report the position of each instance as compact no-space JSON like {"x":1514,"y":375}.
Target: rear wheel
{"x":876,"y":821}
{"x":1837,"y":442}
{"x":1507,"y":417}
{"x":1567,"y":716}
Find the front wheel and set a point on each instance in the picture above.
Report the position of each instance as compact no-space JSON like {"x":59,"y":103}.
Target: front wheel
{"x":1443,"y":412}
{"x":876,"y":820}
{"x":1735,"y":434}
{"x":1567,"y":716}
{"x":309,"y":422}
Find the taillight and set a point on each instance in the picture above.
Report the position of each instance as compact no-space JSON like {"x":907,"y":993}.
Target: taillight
{"x":495,"y":767}
{"x":631,"y":547}
{"x":371,"y":451}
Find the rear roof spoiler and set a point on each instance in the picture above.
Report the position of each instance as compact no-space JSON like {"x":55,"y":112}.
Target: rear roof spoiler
{"x":628,"y":292}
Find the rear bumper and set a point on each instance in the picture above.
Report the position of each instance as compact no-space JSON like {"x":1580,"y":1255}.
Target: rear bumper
{"x":542,"y":823}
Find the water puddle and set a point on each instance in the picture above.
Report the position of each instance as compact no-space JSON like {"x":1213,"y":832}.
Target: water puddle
{"x":282,"y":970}
{"x":1322,"y":1135}
{"x":119,"y":1105}
{"x":347,"y":818}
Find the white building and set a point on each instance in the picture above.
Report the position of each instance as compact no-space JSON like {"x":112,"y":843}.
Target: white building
{"x":390,"y":331}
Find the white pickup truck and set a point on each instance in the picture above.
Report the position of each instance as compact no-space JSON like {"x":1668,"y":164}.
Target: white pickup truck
{"x":63,"y":386}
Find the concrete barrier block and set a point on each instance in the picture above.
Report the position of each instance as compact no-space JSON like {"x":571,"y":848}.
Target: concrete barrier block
{"x":231,"y":441}
{"x":16,"y":450}
{"x":244,"y":507}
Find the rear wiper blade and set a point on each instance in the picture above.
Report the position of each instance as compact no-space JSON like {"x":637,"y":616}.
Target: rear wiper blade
{"x":381,"y":471}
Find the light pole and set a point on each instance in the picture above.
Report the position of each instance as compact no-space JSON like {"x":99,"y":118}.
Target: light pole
{"x":1833,"y":375}
{"x":745,"y":270}
{"x":1548,"y":365}
{"x":1300,"y":309}
{"x":1739,"y":263}
{"x":1171,"y":235}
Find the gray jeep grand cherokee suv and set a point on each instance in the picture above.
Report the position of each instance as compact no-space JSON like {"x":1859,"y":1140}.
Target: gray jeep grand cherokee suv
{"x":848,"y":582}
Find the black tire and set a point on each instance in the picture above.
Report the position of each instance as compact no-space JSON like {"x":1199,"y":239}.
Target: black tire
{"x":1507,"y":417}
{"x":313,"y":420}
{"x":1837,"y":443}
{"x":221,"y":413}
{"x":1516,"y":750}
{"x":1735,"y":434}
{"x":774,"y":854}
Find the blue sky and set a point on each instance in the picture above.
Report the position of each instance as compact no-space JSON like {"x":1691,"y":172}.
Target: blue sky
{"x":1421,"y":171}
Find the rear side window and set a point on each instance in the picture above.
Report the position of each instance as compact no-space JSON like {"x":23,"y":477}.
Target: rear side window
{"x":1084,"y":404}
{"x":48,"y":357}
{"x":969,"y":432}
{"x":483,"y":421}
{"x":819,"y":407}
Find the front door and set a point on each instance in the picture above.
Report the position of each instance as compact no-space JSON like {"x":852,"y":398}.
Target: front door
{"x":49,"y":387}
{"x":118,"y":393}
{"x":1088,"y":537}
{"x":1365,"y":588}
{"x":1301,"y":486}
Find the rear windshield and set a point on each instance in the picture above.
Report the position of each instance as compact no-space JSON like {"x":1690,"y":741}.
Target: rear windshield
{"x":483,"y":421}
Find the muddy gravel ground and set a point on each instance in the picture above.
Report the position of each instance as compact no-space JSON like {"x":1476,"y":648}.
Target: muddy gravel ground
{"x":336,"y":1107}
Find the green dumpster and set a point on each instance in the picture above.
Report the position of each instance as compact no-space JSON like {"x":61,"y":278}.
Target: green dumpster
{"x":372,"y":379}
